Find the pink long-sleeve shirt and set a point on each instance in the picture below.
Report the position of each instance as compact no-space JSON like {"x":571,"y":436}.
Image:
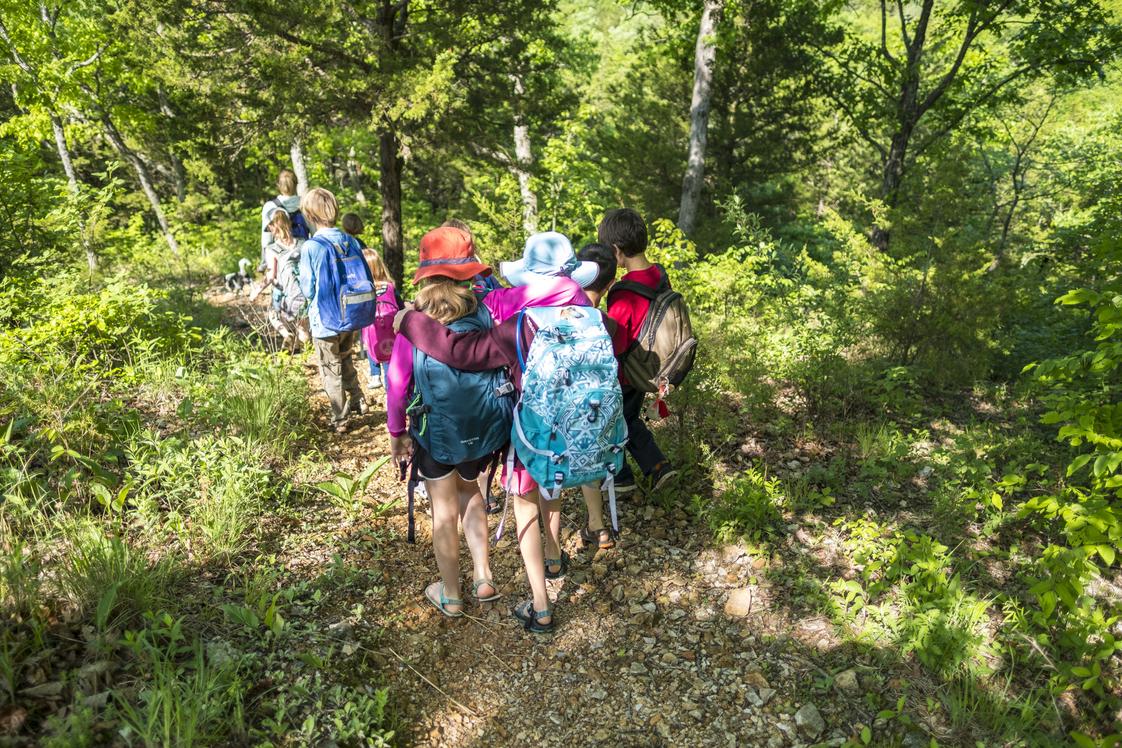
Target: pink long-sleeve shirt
{"x":502,"y":303}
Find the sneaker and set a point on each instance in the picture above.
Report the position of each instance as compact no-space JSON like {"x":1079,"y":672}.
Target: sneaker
{"x":624,"y":485}
{"x":376,"y":382}
{"x":663,"y":473}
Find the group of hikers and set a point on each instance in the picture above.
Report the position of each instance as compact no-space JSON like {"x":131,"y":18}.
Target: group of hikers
{"x":530,"y":378}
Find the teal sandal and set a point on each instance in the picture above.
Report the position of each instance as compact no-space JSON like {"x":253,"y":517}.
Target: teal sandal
{"x":531,"y":619}
{"x":491,"y":598}
{"x":562,"y":563}
{"x":440,"y":602}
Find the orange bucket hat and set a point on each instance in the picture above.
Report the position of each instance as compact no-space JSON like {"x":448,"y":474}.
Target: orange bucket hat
{"x":450,"y":252}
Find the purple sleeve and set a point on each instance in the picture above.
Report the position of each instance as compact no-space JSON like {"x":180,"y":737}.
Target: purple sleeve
{"x":504,"y":303}
{"x":470,"y":351}
{"x":399,"y":380}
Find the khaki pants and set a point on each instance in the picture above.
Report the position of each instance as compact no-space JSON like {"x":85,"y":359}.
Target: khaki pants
{"x":337,"y":370}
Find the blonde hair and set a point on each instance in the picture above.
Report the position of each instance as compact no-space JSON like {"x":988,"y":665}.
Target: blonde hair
{"x":353,"y":224}
{"x":378,"y":270}
{"x":445,"y":300}
{"x":286,"y":182}
{"x":280,"y":226}
{"x":318,"y":206}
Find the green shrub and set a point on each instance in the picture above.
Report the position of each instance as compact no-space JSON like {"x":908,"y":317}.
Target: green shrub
{"x":748,"y":508}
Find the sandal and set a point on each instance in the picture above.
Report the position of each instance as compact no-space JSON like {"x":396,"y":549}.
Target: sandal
{"x":596,"y":537}
{"x":490,"y":598}
{"x":531,"y":618}
{"x":441,"y":601}
{"x":562,"y":562}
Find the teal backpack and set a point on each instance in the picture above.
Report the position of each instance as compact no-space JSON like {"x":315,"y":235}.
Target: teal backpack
{"x":455,"y":415}
{"x":568,"y":426}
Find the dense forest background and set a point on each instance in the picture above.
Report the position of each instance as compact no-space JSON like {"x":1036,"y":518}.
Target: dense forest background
{"x":899,"y":233}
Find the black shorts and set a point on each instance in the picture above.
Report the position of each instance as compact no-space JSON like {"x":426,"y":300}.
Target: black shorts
{"x":429,"y":469}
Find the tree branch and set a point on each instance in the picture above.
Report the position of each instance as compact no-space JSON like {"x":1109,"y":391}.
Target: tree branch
{"x":983,"y":98}
{"x":884,"y":33}
{"x":903,"y":26}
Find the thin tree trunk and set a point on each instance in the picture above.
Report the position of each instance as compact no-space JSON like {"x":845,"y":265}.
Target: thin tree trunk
{"x":178,"y":173}
{"x":393,"y":252}
{"x":523,"y":159}
{"x":705,"y":53}
{"x":297,"y":154}
{"x":144,"y":177}
{"x":72,"y":185}
{"x":354,"y":175}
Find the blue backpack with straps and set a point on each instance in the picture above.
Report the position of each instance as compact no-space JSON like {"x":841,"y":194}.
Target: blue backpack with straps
{"x":300,"y":228}
{"x":345,"y":294}
{"x":568,"y":427}
{"x":457,"y":416}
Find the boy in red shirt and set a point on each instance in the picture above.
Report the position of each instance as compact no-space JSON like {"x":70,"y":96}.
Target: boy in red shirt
{"x":623,"y":230}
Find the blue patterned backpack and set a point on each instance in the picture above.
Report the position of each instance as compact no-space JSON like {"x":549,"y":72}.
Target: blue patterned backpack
{"x":568,"y":426}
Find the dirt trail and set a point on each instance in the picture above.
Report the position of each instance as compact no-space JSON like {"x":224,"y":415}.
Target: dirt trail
{"x":660,"y":641}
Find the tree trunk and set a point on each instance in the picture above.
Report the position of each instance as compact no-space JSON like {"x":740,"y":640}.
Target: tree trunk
{"x":393,"y":252}
{"x":704,"y":55}
{"x":354,"y":176}
{"x":72,"y":185}
{"x":144,"y":177}
{"x":523,"y":159}
{"x":297,"y":154}
{"x":178,"y":173}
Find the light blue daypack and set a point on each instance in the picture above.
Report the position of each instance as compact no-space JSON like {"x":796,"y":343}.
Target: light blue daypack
{"x":568,"y":426}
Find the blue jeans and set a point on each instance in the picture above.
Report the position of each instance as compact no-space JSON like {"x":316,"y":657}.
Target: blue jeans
{"x":640,"y":441}
{"x":376,"y":369}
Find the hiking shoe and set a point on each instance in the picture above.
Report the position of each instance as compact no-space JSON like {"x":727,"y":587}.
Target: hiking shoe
{"x":624,"y":485}
{"x":663,"y":473}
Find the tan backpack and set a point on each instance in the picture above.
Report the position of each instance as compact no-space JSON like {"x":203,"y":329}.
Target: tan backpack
{"x":664,"y":351}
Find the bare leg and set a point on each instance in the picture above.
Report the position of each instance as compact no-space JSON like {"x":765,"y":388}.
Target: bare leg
{"x":445,"y":498}
{"x":530,"y":544}
{"x":474,"y":519}
{"x":594,"y":501}
{"x":551,"y":516}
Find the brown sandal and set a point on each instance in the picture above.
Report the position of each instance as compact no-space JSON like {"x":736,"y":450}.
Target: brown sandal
{"x":596,"y":537}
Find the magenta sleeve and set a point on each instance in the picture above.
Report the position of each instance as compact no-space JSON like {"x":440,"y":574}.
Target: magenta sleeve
{"x":399,"y":381}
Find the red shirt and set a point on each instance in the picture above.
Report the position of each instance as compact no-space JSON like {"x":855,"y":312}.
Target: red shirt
{"x":628,"y":308}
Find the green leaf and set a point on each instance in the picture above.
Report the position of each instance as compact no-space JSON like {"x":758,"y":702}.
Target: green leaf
{"x":866,"y":734}
{"x":1107,"y":554}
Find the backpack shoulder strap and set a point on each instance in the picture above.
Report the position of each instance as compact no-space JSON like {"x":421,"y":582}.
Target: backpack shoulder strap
{"x":518,"y":340}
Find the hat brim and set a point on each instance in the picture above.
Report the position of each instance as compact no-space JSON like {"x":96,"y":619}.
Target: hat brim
{"x":463,"y":272}
{"x":516,"y":273}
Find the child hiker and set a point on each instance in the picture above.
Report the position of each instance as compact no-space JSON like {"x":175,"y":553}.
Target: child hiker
{"x":378,"y":338}
{"x":336,"y":281}
{"x":458,"y":421}
{"x":531,"y":344}
{"x":623,"y":230}
{"x":287,"y":313}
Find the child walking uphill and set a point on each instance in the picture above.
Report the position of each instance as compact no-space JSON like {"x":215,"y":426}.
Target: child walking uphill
{"x":378,"y":338}
{"x":458,"y":421}
{"x":625,"y":232}
{"x":288,"y":201}
{"x":287,"y":312}
{"x":514,"y":344}
{"x":336,"y":281}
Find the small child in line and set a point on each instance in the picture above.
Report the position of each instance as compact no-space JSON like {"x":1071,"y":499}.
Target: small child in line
{"x":378,"y":338}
